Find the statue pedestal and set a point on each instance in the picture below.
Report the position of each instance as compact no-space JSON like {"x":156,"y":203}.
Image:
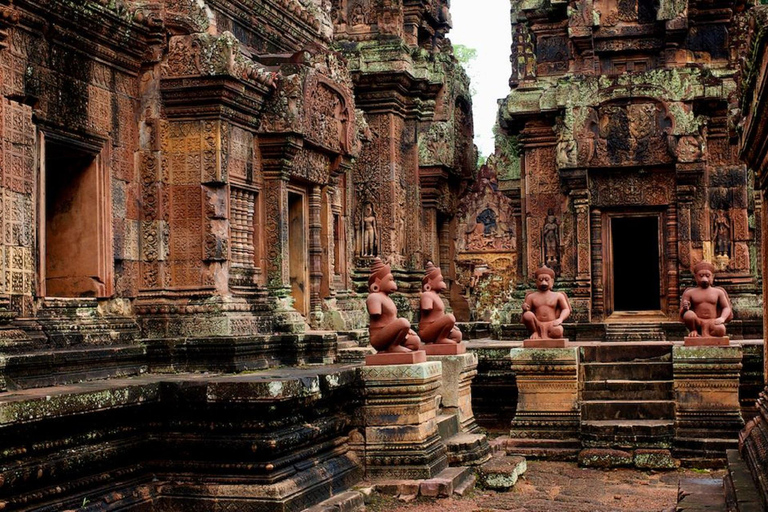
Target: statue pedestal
{"x":709,"y":341}
{"x":385,"y":358}
{"x":546,"y":423}
{"x":445,"y":349}
{"x":399,"y":414}
{"x":708,"y":414}
{"x":545,"y":343}
{"x":455,"y":387}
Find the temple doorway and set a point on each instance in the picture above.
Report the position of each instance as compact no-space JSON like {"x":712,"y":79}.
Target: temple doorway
{"x":297,"y":251}
{"x":75,"y":239}
{"x":634,"y":263}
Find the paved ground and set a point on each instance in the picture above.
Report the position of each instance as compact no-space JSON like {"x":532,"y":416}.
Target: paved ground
{"x":564,"y":487}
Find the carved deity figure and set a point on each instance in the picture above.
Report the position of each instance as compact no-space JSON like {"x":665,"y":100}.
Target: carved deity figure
{"x":550,"y":237}
{"x":369,"y":231}
{"x":435,"y":325}
{"x":705,"y":309}
{"x":721,"y":228}
{"x":388,"y":333}
{"x":544,"y":310}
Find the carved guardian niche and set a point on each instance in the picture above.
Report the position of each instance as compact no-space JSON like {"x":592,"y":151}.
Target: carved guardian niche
{"x":626,"y":133}
{"x":358,"y":13}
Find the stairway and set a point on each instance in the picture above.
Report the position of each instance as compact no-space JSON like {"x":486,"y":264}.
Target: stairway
{"x":464,"y":448}
{"x":627,"y":402}
{"x":617,"y":332}
{"x":352,"y":347}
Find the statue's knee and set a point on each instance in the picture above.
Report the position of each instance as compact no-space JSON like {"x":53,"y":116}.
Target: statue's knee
{"x":556,"y":332}
{"x":529,"y":317}
{"x":718,"y":330}
{"x":690,"y":316}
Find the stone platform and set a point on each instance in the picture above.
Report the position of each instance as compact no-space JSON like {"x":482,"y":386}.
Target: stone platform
{"x":272,"y":441}
{"x":649,"y":404}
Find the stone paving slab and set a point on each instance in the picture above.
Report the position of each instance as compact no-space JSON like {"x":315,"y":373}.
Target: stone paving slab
{"x":564,"y":487}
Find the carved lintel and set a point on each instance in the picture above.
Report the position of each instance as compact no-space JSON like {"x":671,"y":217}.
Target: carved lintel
{"x":575,"y":179}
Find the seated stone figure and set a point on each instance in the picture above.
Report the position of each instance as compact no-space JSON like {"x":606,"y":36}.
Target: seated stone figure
{"x":705,"y":309}
{"x":544,"y":311}
{"x":435,"y":325}
{"x":388,"y":333}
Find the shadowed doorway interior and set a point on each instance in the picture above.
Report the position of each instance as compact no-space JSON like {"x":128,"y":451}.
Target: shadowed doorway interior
{"x":636,"y":278}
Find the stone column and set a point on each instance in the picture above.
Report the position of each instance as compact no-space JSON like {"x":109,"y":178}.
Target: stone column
{"x":547,"y":421}
{"x":399,"y":415}
{"x":598,"y":293}
{"x":708,"y":414}
{"x":315,"y":255}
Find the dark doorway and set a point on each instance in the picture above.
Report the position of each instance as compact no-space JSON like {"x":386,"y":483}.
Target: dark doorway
{"x":636,"y":278}
{"x":297,"y":252}
{"x":73,"y":243}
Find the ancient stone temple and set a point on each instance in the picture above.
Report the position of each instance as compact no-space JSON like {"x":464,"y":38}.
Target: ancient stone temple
{"x":192,"y":186}
{"x":622,"y":156}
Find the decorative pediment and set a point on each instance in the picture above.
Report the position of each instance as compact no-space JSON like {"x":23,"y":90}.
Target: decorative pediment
{"x":314,"y":99}
{"x":485,"y":217}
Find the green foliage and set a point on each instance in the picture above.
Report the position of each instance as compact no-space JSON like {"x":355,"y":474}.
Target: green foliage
{"x":465,"y":55}
{"x":481,"y":160}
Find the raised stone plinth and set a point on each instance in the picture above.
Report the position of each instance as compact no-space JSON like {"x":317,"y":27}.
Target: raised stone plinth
{"x":708,"y":414}
{"x":397,"y":358}
{"x":547,"y":420}
{"x":707,"y":341}
{"x":445,"y":349}
{"x":545,"y":343}
{"x":399,"y":414}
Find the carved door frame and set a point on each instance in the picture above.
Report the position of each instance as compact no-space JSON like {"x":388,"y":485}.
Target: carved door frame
{"x":304,"y":307}
{"x":100,"y":150}
{"x":607,"y":241}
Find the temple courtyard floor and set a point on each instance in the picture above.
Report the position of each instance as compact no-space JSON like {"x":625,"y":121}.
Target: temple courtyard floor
{"x":565,"y":487}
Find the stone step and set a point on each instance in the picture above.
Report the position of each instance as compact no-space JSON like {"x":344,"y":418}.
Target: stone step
{"x":741,"y":494}
{"x":627,"y":410}
{"x":627,"y":434}
{"x":700,"y":495}
{"x":642,"y":371}
{"x":444,"y":484}
{"x":447,"y":425}
{"x":618,"y":352}
{"x":634,"y":332}
{"x":354,"y":354}
{"x":346,"y":343}
{"x":350,"y":501}
{"x":501,"y":472}
{"x":468,"y":449}
{"x":628,"y":390}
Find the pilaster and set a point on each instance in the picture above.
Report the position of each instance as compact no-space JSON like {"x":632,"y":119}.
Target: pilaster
{"x":708,"y":415}
{"x":548,"y":415}
{"x":399,"y":415}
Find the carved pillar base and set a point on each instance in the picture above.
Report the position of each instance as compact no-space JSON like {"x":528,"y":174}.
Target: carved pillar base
{"x":708,"y":415}
{"x":401,"y":437}
{"x":548,"y":415}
